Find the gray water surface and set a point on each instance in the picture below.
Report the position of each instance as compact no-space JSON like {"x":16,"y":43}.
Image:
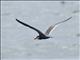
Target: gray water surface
{"x":17,"y":41}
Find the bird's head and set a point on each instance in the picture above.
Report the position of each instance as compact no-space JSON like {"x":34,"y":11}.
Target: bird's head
{"x":36,"y":38}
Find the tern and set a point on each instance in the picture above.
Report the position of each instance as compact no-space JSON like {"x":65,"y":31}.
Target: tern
{"x":43,"y":35}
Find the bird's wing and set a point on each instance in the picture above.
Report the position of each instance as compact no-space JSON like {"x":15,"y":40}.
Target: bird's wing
{"x":40,"y":33}
{"x":54,"y":26}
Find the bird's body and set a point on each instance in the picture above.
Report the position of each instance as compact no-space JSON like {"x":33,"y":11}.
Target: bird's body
{"x":43,"y":35}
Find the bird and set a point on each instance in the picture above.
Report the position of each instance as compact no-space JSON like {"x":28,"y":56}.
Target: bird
{"x":45,"y":35}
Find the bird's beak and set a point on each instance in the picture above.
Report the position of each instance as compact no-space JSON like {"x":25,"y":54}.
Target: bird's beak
{"x":35,"y":38}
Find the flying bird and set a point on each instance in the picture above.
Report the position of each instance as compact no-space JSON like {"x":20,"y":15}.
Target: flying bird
{"x":43,"y":35}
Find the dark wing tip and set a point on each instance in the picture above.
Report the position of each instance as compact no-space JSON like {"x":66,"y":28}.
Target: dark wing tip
{"x":70,"y":18}
{"x":17,"y":20}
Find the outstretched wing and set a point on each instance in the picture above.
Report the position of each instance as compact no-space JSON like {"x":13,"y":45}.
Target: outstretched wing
{"x":54,"y":26}
{"x":40,"y":33}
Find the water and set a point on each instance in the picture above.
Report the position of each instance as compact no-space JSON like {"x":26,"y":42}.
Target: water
{"x":18,"y":41}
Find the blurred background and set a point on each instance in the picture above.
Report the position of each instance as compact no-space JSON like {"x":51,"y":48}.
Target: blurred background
{"x":17,"y":41}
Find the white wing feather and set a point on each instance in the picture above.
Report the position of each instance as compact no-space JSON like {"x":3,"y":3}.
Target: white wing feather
{"x":52,"y":27}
